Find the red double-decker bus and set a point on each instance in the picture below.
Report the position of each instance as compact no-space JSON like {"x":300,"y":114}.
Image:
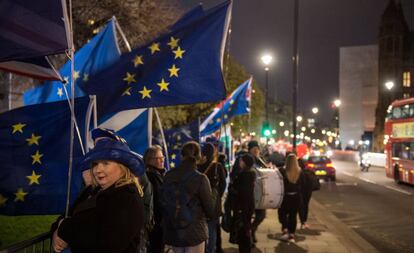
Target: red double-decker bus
{"x":399,"y":141}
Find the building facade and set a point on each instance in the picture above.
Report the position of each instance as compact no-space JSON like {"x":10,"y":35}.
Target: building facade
{"x":395,"y":64}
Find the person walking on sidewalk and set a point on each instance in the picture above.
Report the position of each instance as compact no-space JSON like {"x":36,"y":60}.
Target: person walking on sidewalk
{"x":259,"y":162}
{"x":310,"y":183}
{"x":187,"y":203}
{"x":244,"y":203}
{"x":293,"y":180}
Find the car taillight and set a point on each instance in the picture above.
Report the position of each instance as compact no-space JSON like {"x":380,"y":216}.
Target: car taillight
{"x":329,"y":165}
{"x":310,"y":165}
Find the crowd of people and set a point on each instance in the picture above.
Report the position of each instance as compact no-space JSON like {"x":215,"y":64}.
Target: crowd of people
{"x":124,"y":208}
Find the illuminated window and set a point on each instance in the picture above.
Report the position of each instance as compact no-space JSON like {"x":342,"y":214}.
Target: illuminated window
{"x":407,"y":79}
{"x":406,"y":95}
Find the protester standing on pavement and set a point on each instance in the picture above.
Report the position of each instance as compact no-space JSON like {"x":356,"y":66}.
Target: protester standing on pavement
{"x":293,"y":180}
{"x":154,"y":164}
{"x":190,"y":233}
{"x":310,"y":183}
{"x":259,"y":162}
{"x":243,"y":207}
{"x":111,"y":219}
{"x":217,"y":177}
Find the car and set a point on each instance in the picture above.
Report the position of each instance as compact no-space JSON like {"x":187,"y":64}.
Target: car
{"x":322,"y":166}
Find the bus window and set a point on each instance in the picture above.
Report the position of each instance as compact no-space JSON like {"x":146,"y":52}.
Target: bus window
{"x":403,"y":150}
{"x":396,"y":113}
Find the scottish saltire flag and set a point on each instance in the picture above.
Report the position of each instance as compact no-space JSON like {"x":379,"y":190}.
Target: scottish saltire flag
{"x":176,"y":138}
{"x":237,"y":103}
{"x":135,"y":126}
{"x":30,"y":29}
{"x":34,"y":157}
{"x":100,"y":52}
{"x":181,"y":67}
{"x":37,"y":68}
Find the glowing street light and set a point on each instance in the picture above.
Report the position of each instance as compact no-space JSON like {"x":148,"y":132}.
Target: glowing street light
{"x":337,"y":103}
{"x":389,"y":85}
{"x":266,"y":59}
{"x":281,"y":123}
{"x":299,"y":118}
{"x":315,"y":110}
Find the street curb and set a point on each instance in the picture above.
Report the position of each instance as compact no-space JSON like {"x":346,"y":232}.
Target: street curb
{"x":347,"y":236}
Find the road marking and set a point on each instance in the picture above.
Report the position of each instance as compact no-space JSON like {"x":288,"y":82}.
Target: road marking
{"x":348,"y":174}
{"x":367,"y":180}
{"x":346,"y":184}
{"x":398,"y":190}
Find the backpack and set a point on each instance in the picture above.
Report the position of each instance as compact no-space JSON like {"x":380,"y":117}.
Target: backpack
{"x":177,"y":202}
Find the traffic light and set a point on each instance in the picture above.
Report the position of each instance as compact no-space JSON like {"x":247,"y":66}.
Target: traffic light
{"x":266,"y":130}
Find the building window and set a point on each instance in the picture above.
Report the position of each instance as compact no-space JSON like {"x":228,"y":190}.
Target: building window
{"x":406,"y":95}
{"x":407,"y":79}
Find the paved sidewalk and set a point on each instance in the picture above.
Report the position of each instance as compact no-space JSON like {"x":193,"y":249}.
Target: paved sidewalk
{"x":326,"y":234}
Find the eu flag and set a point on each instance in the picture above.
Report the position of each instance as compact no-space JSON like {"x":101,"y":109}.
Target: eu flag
{"x":237,"y":103}
{"x":134,"y":126}
{"x":176,"y":138}
{"x":183,"y":66}
{"x":34,"y":157}
{"x":101,"y":51}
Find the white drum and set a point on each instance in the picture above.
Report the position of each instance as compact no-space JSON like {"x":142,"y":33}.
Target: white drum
{"x":268,"y":188}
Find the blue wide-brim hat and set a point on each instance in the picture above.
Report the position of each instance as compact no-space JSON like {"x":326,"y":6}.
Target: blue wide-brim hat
{"x":112,"y":150}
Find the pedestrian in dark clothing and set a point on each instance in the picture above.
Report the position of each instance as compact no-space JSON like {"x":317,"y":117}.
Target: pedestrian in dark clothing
{"x":191,"y":238}
{"x":259,"y":214}
{"x":217,"y":177}
{"x":293,"y":184}
{"x":244,"y":203}
{"x":309,"y":181}
{"x":222,"y":159}
{"x":109,"y":218}
{"x":154,"y":162}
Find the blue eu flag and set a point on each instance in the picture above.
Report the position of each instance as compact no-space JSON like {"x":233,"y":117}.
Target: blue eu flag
{"x":238,"y":103}
{"x":176,"y":138}
{"x":34,"y":157}
{"x":180,"y":67}
{"x":101,"y":51}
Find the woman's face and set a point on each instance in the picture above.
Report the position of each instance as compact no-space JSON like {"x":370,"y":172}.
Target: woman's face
{"x":157,"y":160}
{"x":106,"y":173}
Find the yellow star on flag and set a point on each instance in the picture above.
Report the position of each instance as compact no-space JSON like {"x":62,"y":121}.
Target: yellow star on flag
{"x":145,"y":93}
{"x":3,"y":200}
{"x":129,"y":78}
{"x":172,"y":164}
{"x":18,"y":128}
{"x":33,"y":179}
{"x":178,"y":53}
{"x":85,"y":77}
{"x":138,"y":61}
{"x":173,"y":71}
{"x":173,"y":42}
{"x":232,"y":101}
{"x":127,"y":92}
{"x":20,"y":194}
{"x":33,"y":140}
{"x":66,"y":79}
{"x":36,"y":157}
{"x":60,"y":92}
{"x":163,"y":85}
{"x":226,"y":116}
{"x":154,"y":47}
{"x":76,"y":75}
{"x":173,"y":156}
{"x":218,"y":120}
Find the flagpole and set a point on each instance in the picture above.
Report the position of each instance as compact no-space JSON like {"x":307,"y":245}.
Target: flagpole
{"x":10,"y":90}
{"x":72,"y":102}
{"x":122,"y":34}
{"x":163,"y":137}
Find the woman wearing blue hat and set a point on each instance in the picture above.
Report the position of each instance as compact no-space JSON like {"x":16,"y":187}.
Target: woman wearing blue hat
{"x":111,"y":219}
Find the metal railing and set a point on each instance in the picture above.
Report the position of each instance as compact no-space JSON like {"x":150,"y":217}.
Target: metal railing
{"x":37,"y":244}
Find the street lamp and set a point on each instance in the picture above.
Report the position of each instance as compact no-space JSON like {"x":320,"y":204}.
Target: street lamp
{"x":299,"y":118}
{"x":295,"y":65}
{"x":315,"y":110}
{"x":389,"y":85}
{"x":337,"y":103}
{"x":267,"y":59}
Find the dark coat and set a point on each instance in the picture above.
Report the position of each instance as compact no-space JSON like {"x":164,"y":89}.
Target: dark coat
{"x":199,"y":187}
{"x":109,"y":221}
{"x":156,"y":177}
{"x":243,"y":186}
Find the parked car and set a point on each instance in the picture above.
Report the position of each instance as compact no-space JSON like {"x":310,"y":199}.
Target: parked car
{"x":322,"y":166}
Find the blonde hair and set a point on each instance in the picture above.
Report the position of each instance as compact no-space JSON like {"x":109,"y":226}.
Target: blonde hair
{"x":128,"y":178}
{"x":292,"y":168}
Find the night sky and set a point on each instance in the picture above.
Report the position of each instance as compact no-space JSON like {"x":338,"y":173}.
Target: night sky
{"x":324,"y":27}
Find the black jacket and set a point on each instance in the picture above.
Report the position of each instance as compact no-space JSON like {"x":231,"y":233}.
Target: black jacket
{"x":199,"y":187}
{"x":156,"y":177}
{"x":110,"y":221}
{"x":243,"y":186}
